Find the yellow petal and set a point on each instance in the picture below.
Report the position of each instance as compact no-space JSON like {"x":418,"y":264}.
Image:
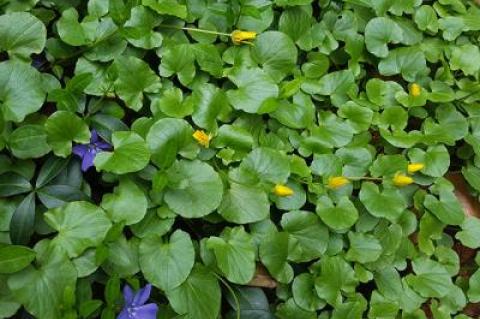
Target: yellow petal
{"x":282,"y":190}
{"x":402,"y":180}
{"x":202,"y":138}
{"x":239,"y":36}
{"x":415,"y":89}
{"x":337,"y":182}
{"x":415,"y":167}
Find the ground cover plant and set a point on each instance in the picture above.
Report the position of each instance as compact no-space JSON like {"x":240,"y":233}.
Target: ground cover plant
{"x":203,"y":159}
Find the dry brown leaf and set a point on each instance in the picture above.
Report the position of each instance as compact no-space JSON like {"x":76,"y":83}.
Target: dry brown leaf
{"x":470,"y":204}
{"x":262,"y":279}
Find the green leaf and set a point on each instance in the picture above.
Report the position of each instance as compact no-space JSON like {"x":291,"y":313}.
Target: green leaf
{"x":178,"y":59}
{"x":13,"y":184}
{"x":21,"y":90}
{"x":338,"y":82}
{"x":426,"y":19}
{"x":199,"y":297}
{"x":122,"y":257}
{"x":431,"y":279}
{"x":80,"y":225}
{"x":21,"y":34}
{"x":336,"y":276}
{"x":341,"y":216}
{"x":266,"y":165}
{"x":167,"y":264}
{"x":15,"y":258}
{"x":383,"y":93}
{"x":295,"y":22}
{"x":23,"y":220}
{"x":273,"y":253}
{"x":208,"y":59}
{"x":41,"y":290}
{"x":194,"y":189}
{"x":235,"y":254}
{"x":130,"y":154}
{"x":127,"y":203}
{"x":474,"y":287}
{"x":469,"y":236}
{"x":290,"y":309}
{"x":363,"y":248}
{"x":52,"y":167}
{"x":462,"y":57}
{"x":62,"y":129}
{"x":446,"y":208}
{"x":29,"y":141}
{"x":436,"y":160}
{"x":409,"y":62}
{"x":308,"y":238}
{"x":253,"y":303}
{"x":170,"y":7}
{"x":134,"y":78}
{"x":244,"y":204}
{"x":304,"y":293}
{"x":70,"y":30}
{"x":169,"y":137}
{"x":171,"y":103}
{"x":256,"y":91}
{"x":379,"y":32}
{"x":139,"y":28}
{"x":472,"y":175}
{"x":296,"y":115}
{"x":208,"y":102}
{"x":276,"y":52}
{"x":388,"y":203}
{"x":331,"y":132}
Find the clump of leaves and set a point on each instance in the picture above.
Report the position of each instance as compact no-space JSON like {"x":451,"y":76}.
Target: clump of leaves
{"x":185,"y":150}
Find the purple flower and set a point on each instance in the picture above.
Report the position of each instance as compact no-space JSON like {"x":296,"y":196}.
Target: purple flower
{"x":135,"y":307}
{"x":87,"y":152}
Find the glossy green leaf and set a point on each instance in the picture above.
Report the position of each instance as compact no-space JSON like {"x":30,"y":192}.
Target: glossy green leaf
{"x":62,"y":129}
{"x":22,"y":34}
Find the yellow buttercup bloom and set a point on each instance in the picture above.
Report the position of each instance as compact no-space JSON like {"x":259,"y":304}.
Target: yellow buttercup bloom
{"x":402,"y":180}
{"x":202,"y":138}
{"x":282,"y":190}
{"x":337,"y":182}
{"x":240,"y":37}
{"x":415,"y":167}
{"x":415,"y":90}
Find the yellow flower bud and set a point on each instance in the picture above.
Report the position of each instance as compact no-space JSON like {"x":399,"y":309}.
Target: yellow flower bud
{"x":337,"y":182}
{"x":240,"y":37}
{"x":415,"y":90}
{"x":402,"y":180}
{"x":282,"y":190}
{"x":202,"y":138}
{"x":415,"y":167}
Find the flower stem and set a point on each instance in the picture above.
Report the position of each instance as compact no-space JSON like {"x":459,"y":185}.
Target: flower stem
{"x":194,"y":30}
{"x":230,"y":289}
{"x":358,"y":178}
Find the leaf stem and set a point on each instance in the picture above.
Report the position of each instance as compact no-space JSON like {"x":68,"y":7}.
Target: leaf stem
{"x":230,"y":289}
{"x":195,"y":30}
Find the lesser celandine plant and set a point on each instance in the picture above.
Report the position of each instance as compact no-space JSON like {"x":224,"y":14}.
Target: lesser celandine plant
{"x":205,"y":159}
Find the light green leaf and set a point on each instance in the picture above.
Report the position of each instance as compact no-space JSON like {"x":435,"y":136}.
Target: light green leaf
{"x":256,"y":91}
{"x":244,"y":204}
{"x":363,"y":248}
{"x":167,"y":264}
{"x":274,"y":253}
{"x":208,"y":103}
{"x":308,"y":238}
{"x":379,"y":32}
{"x":134,"y":78}
{"x":436,"y":160}
{"x":139,"y":28}
{"x":462,"y":57}
{"x":123,"y":257}
{"x":431,"y":279}
{"x":29,"y":141}
{"x":469,"y":236}
{"x":21,"y":90}
{"x":130,"y":154}
{"x":276,"y":52}
{"x":446,"y":208}
{"x":474,"y":287}
{"x":304,"y":293}
{"x":266,"y":165}
{"x":127,"y":203}
{"x":409,"y":62}
{"x":178,"y":59}
{"x":170,"y":7}
{"x":194,"y":189}
{"x":15,"y":258}
{"x":62,"y":129}
{"x":426,"y":19}
{"x":388,"y":203}
{"x":338,"y":82}
{"x":22,"y":34}
{"x":80,"y":225}
{"x":199,"y":297}
{"x":235,"y":254}
{"x":339,"y":216}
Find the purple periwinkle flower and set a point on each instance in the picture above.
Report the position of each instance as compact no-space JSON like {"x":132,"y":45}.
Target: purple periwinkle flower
{"x":135,"y":307}
{"x":87,"y":152}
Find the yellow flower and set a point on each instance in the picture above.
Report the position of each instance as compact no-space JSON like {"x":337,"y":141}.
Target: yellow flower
{"x":240,"y":37}
{"x":415,"y":167}
{"x":201,"y":137}
{"x":282,"y":190}
{"x":402,"y":180}
{"x":415,"y":90}
{"x":337,"y":182}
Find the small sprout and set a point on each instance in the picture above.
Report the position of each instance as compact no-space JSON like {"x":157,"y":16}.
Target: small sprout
{"x":282,"y":190}
{"x":415,"y":90}
{"x":202,"y":138}
{"x":402,"y":180}
{"x":415,"y":167}
{"x":337,"y":182}
{"x":241,"y":37}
